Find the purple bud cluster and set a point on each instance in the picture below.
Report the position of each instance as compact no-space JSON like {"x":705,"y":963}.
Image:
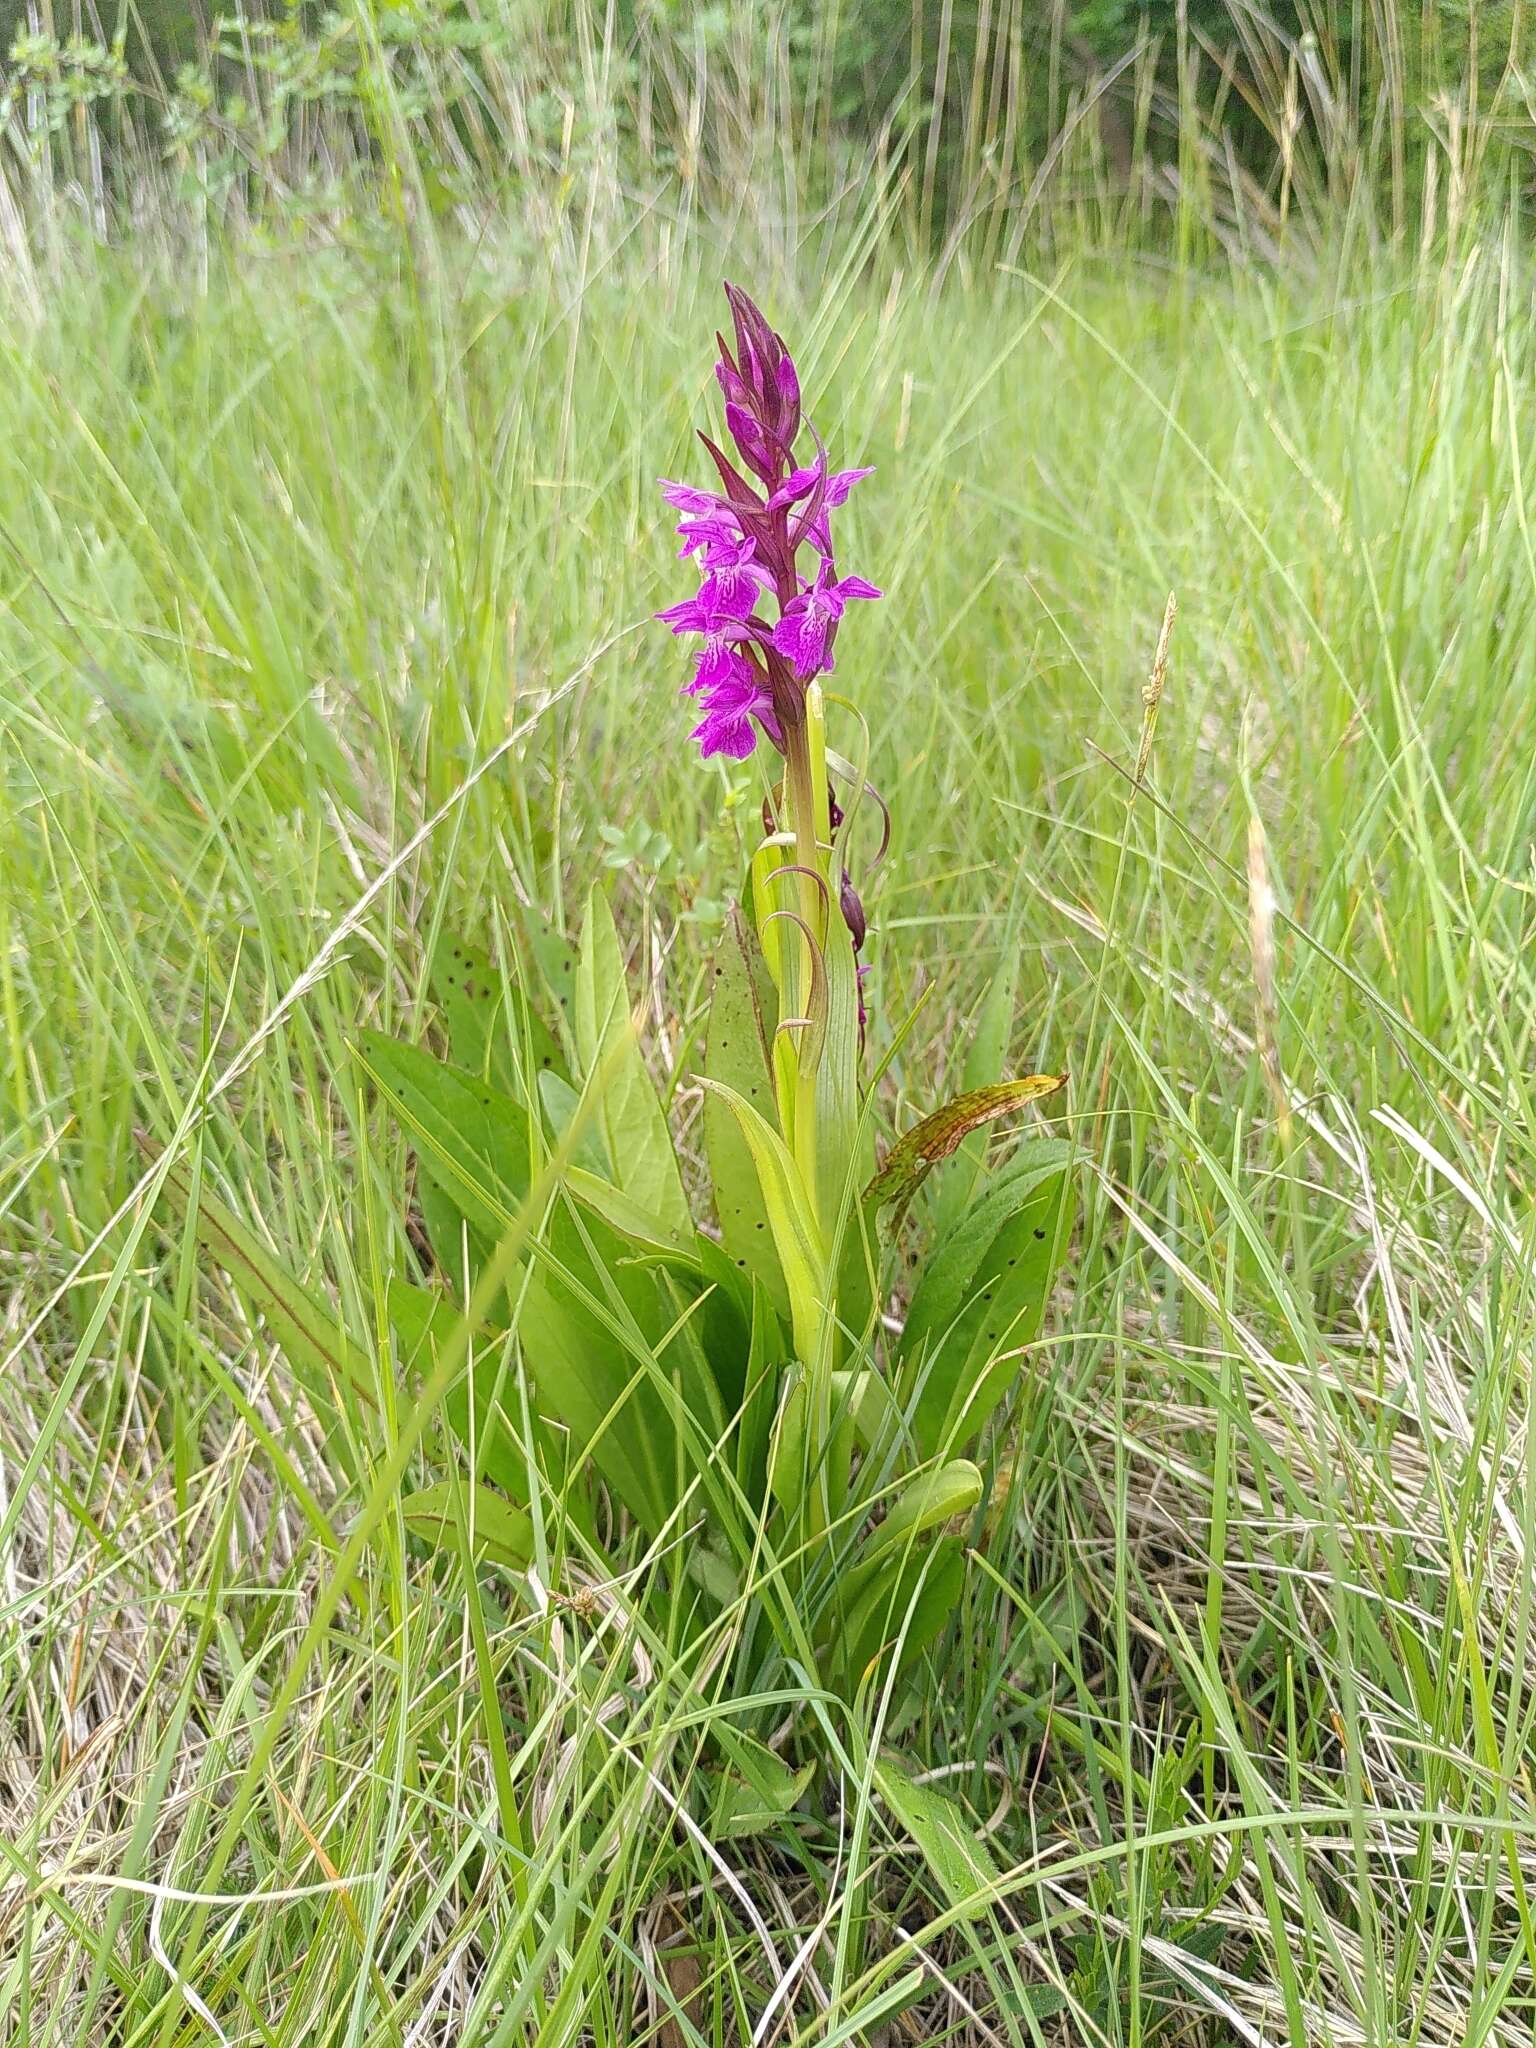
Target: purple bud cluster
{"x":767,"y":627}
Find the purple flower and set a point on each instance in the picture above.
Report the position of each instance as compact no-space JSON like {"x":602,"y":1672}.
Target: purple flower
{"x":687,"y":498}
{"x":727,"y":727}
{"x":751,"y":437}
{"x":766,"y":630}
{"x":801,"y":482}
{"x":720,"y":665}
{"x":805,"y":632}
{"x":709,"y":535}
{"x":733,"y":583}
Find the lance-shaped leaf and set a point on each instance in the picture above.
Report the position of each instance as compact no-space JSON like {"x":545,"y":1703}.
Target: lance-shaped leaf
{"x":946,"y":1836}
{"x":915,"y":1154}
{"x":736,"y":1056}
{"x":802,"y":1255}
{"x":629,"y":1113}
{"x":981,"y":1295}
{"x":492,"y":1031}
{"x":317,"y":1347}
{"x":925,"y":1502}
{"x":843,"y":1155}
{"x":552,"y":959}
{"x":759,"y":1789}
{"x":902,"y":1611}
{"x":588,"y":1364}
{"x":497,"y":1529}
{"x":423,"y":1323}
{"x":472,"y":1140}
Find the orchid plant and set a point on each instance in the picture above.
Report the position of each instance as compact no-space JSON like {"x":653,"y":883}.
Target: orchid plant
{"x":791,"y":1368}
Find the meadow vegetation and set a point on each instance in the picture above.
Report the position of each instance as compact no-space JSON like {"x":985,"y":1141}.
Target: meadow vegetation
{"x":329,"y":544}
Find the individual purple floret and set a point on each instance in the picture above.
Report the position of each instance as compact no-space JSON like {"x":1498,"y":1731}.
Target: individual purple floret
{"x":767,"y":625}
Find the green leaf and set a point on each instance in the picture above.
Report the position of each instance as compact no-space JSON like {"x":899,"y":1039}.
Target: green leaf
{"x":867,"y":1399}
{"x":499,"y":1530}
{"x":937,"y":1597}
{"x":759,"y":1395}
{"x":724,"y":1321}
{"x":914,"y":1155}
{"x":790,"y":1217}
{"x":629,"y":1113}
{"x":473,"y":1141}
{"x":627,"y":1215}
{"x":754,"y":1797}
{"x":594,"y":1327}
{"x":736,"y":1056}
{"x":981,"y":1297}
{"x":561,"y":1106}
{"x":945,"y":1835}
{"x":423,"y":1322}
{"x":926,"y":1502}
{"x":487,"y":1035}
{"x":905,"y":1607}
{"x":885,"y":1596}
{"x":552,"y":960}
{"x":317,"y":1347}
{"x":788,"y":1474}
{"x":844,"y":1153}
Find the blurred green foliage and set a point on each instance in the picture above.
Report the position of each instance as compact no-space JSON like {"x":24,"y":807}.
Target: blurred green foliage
{"x":977,"y":92}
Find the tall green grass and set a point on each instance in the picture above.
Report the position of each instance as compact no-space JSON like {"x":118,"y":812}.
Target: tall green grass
{"x":295,"y":533}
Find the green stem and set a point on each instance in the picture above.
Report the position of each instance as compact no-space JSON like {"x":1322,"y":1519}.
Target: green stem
{"x":807,"y":749}
{"x":809,"y":820}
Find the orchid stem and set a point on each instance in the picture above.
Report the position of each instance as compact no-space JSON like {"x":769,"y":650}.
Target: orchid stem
{"x":805,"y":791}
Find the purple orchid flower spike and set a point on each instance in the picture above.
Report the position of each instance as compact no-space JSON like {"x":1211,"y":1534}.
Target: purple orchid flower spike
{"x":767,"y":629}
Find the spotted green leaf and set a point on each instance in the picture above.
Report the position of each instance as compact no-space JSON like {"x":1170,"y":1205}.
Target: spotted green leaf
{"x":497,"y":1529}
{"x":981,"y":1296}
{"x":945,"y":1835}
{"x":488,"y":1034}
{"x":736,"y":1055}
{"x":629,"y":1112}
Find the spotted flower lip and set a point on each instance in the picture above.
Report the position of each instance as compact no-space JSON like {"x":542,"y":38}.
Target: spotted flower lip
{"x":767,"y":626}
{"x":805,"y":631}
{"x":720,"y":664}
{"x":726,"y":727}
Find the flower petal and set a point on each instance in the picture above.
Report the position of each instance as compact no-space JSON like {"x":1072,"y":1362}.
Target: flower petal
{"x":801,"y":636}
{"x":726,"y":732}
{"x":841,"y":482}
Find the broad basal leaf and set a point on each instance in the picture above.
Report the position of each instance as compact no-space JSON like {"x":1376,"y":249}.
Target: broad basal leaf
{"x":602,"y":1342}
{"x":551,"y":960}
{"x":759,"y":1789}
{"x":981,"y":1297}
{"x":791,"y":1219}
{"x":487,"y":1033}
{"x":927,"y":1501}
{"x":901,"y":1610}
{"x":882,"y":1598}
{"x":423,"y":1323}
{"x":638,"y":1142}
{"x":474,"y":1141}
{"x":736,"y":1056}
{"x":497,"y":1529}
